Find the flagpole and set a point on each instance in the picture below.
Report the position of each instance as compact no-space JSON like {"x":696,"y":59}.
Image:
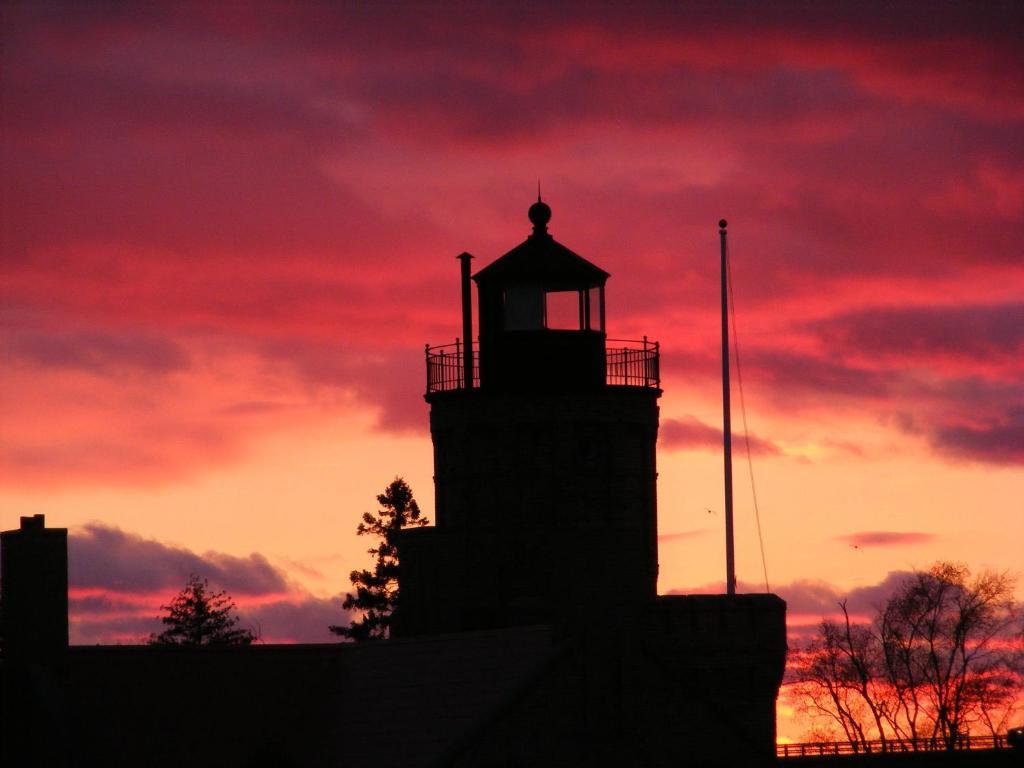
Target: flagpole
{"x":730,"y":557}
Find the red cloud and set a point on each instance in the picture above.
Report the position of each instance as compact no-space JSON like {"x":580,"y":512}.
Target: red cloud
{"x":989,"y":335}
{"x":192,"y":197}
{"x":1001,"y":441}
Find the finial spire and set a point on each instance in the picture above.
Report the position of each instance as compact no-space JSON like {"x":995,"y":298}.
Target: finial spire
{"x":540,"y":214}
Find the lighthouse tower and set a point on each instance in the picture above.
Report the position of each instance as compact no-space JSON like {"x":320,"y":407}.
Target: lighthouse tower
{"x":544,"y":439}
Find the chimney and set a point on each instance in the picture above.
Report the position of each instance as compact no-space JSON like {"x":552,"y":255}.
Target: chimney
{"x":34,"y":573}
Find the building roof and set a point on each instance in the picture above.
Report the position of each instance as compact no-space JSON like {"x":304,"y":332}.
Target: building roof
{"x":542,"y":258}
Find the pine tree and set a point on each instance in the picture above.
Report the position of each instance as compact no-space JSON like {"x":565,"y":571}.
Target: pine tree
{"x":197,"y":618}
{"x":376,"y":592}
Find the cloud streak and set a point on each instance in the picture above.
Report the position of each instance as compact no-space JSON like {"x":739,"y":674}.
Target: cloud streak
{"x":886,"y":538}
{"x":1000,"y":441}
{"x":683,"y":535}
{"x":692,"y":434}
{"x":99,"y":353}
{"x":980,"y":333}
{"x":106,"y":557}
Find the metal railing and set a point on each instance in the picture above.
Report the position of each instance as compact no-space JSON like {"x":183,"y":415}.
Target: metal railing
{"x":628,"y":363}
{"x":825,"y":748}
{"x":633,"y":366}
{"x":445,"y":370}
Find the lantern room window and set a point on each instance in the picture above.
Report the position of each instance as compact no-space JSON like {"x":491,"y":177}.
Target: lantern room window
{"x":595,"y":308}
{"x":528,"y":307}
{"x":577,"y":310}
{"x":524,"y":307}
{"x":563,"y":310}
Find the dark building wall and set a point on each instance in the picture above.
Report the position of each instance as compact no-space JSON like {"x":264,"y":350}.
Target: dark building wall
{"x":681,"y":681}
{"x":544,"y":503}
{"x":34,"y":573}
{"x":523,"y":361}
{"x":389,"y":705}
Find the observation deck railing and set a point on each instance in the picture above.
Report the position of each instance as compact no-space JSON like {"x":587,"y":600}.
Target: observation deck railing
{"x":445,"y":371}
{"x":636,"y":365}
{"x":628,"y":363}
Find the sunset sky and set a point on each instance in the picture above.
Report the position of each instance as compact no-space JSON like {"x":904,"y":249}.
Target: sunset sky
{"x":228,"y":229}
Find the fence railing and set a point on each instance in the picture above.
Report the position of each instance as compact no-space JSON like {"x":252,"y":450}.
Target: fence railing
{"x":637,"y":365}
{"x":823,"y":748}
{"x":628,"y":363}
{"x":445,"y":367}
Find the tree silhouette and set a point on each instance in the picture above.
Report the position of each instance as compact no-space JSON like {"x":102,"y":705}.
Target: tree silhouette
{"x":947,"y":645}
{"x":196,"y":618}
{"x":941,"y":658}
{"x":376,"y":592}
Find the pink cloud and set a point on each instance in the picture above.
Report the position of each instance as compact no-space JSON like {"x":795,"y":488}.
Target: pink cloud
{"x":119,"y":581}
{"x":886,"y":538}
{"x":690,"y":433}
{"x":101,"y":353}
{"x":107,"y":557}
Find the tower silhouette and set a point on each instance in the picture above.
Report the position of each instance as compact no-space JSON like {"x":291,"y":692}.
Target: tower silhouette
{"x":544,"y":454}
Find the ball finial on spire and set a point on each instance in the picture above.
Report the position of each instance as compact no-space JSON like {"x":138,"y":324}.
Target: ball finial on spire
{"x":540,"y":214}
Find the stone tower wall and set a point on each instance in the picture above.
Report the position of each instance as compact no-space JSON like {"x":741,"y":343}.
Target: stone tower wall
{"x":683,"y":680}
{"x":546,"y":505}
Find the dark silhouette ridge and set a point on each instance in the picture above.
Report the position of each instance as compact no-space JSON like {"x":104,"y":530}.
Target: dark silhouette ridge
{"x":529,"y":629}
